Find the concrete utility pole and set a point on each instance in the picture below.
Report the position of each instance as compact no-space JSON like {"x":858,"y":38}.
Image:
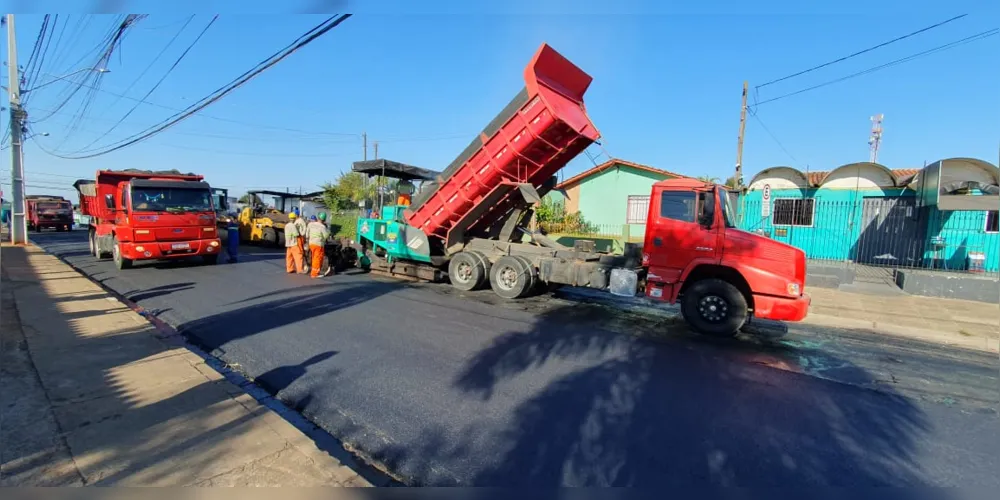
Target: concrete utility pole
{"x":18,"y":224}
{"x":739,"y":141}
{"x":376,"y":149}
{"x":364,"y":144}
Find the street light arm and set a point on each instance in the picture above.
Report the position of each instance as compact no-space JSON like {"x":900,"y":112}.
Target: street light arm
{"x":64,"y":77}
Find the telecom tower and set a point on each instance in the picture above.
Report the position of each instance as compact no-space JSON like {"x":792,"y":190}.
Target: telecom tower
{"x":876,"y":138}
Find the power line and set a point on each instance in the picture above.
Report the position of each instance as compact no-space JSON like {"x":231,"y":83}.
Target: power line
{"x":774,"y":137}
{"x":154,"y":60}
{"x":304,"y":40}
{"x":970,"y":39}
{"x":883,"y":44}
{"x":212,"y":117}
{"x":255,"y":138}
{"x":158,"y":83}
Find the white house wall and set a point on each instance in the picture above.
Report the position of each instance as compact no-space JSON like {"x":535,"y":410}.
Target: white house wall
{"x":779,"y":178}
{"x":858,"y":177}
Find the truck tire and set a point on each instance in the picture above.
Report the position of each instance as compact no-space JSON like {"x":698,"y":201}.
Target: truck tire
{"x":210,"y":260}
{"x":510,"y":278}
{"x":532,"y":274}
{"x":270,"y":236}
{"x":714,"y":307}
{"x":466,"y":271}
{"x":116,"y":253}
{"x":281,"y":239}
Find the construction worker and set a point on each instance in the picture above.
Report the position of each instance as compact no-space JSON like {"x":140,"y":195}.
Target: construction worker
{"x":317,"y":234}
{"x":293,"y":246}
{"x":404,"y":192}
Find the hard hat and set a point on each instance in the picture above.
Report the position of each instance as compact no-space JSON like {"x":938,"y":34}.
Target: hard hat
{"x":292,"y":215}
{"x":312,"y":217}
{"x":322,"y":216}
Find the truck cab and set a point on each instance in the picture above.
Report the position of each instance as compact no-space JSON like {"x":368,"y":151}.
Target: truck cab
{"x":722,"y":276}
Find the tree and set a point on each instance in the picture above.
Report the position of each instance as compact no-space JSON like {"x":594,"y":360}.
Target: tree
{"x":731,"y":182}
{"x":708,"y":179}
{"x":250,"y":199}
{"x":349,"y":190}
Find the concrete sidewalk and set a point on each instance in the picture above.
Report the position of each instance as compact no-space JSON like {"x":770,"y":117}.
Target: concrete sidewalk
{"x":959,"y":323}
{"x":93,"y":394}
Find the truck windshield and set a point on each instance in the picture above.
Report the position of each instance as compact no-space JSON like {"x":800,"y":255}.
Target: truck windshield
{"x":54,"y":206}
{"x":152,"y":199}
{"x":727,"y":208}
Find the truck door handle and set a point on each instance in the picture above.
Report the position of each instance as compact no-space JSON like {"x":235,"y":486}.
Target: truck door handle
{"x":657,"y":241}
{"x":703,"y":249}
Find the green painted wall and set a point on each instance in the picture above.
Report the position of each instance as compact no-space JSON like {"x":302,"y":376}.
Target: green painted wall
{"x":604,"y":197}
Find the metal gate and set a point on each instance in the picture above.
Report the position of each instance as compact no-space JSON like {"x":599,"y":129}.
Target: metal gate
{"x":892,"y":233}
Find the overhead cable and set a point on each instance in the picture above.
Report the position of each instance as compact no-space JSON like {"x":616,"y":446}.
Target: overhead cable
{"x":883,"y":44}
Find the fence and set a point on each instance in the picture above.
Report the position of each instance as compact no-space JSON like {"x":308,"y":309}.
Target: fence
{"x":884,"y":232}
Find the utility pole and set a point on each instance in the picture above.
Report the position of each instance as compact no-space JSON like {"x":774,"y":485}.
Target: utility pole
{"x":739,"y":141}
{"x":875,"y":140}
{"x":18,"y":224}
{"x":364,"y":144}
{"x":376,"y":149}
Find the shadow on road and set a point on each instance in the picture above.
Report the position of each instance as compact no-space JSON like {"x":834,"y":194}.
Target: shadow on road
{"x":651,"y":414}
{"x":157,"y":291}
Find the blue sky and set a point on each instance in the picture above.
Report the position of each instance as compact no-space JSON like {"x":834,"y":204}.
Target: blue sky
{"x":422,"y":79}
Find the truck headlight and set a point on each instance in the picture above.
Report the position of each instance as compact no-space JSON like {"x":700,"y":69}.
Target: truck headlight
{"x":794,"y":289}
{"x":214,"y":243}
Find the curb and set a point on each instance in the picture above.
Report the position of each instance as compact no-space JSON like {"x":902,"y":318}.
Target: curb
{"x":981,"y":344}
{"x":296,"y":429}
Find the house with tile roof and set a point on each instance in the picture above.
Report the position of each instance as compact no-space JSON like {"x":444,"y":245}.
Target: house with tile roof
{"x":613,"y":195}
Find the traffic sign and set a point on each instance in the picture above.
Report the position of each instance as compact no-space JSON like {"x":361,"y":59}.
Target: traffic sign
{"x":765,"y":206}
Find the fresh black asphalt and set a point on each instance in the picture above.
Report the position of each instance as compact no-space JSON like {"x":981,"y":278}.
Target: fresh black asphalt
{"x":447,"y":388}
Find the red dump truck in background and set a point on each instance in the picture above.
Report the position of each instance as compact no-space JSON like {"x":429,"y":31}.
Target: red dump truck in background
{"x":472,"y":221}
{"x":45,"y":211}
{"x":146,"y":215}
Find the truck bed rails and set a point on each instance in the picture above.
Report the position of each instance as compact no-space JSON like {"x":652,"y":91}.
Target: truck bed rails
{"x":537,"y":133}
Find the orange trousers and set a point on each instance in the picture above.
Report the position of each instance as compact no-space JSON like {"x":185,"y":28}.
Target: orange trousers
{"x":316,"y":252}
{"x":293,"y":259}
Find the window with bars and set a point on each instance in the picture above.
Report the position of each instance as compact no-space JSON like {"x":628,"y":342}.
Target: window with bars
{"x":638,"y":208}
{"x":792,"y":212}
{"x":993,"y":222}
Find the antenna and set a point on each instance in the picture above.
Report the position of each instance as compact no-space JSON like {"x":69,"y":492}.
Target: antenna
{"x":875,"y":140}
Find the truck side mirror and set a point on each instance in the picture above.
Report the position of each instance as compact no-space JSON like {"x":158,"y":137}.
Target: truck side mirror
{"x":109,"y":201}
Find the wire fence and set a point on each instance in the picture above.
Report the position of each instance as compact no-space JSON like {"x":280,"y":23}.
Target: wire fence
{"x":882,"y":232}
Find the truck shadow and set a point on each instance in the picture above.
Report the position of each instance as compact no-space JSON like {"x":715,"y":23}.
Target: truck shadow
{"x":640,"y":413}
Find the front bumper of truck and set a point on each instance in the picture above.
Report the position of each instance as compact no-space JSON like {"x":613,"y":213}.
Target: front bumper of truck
{"x":170,"y":249}
{"x":781,"y":308}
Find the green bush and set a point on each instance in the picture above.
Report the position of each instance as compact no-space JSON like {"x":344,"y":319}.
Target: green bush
{"x":343,"y":226}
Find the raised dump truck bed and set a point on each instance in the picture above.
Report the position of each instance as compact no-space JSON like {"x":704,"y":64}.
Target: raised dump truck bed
{"x":518,"y":153}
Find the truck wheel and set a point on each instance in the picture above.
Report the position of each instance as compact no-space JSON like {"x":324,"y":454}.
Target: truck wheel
{"x":714,"y":307}
{"x":510,"y":278}
{"x":116,"y":254}
{"x":466,"y":271}
{"x":270,"y":236}
{"x":281,"y":239}
{"x":210,"y":260}
{"x":533,"y":285}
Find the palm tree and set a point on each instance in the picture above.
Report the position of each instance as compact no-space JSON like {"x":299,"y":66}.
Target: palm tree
{"x":708,"y":179}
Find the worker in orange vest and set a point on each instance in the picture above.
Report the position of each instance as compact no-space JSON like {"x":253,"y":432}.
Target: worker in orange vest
{"x":404,"y":193}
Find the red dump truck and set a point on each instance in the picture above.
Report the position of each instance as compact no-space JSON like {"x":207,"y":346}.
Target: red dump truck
{"x":146,"y":215}
{"x":46,"y":211}
{"x":470,"y":222}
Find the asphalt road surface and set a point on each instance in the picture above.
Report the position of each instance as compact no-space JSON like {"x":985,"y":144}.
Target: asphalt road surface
{"x":444,"y":388}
